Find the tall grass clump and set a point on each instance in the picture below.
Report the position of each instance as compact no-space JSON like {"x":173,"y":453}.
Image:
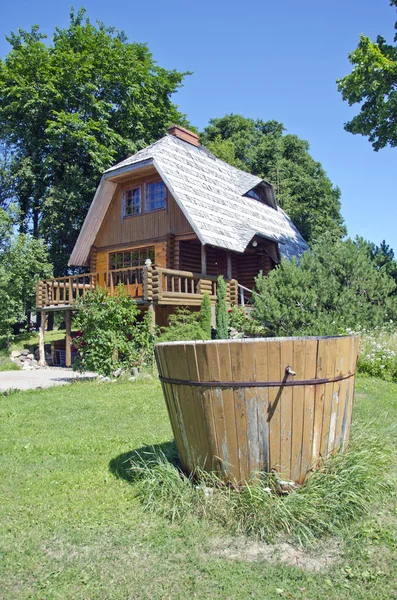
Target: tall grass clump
{"x":333,"y":496}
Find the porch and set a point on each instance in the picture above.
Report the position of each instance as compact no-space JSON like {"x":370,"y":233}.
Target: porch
{"x":147,"y":285}
{"x":155,"y":289}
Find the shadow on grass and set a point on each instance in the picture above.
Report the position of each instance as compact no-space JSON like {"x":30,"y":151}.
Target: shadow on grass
{"x":120,"y":466}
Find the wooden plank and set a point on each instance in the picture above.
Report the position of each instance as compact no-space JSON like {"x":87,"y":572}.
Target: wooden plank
{"x":303,"y":409}
{"x":252,"y":398}
{"x":237,"y":371}
{"x":207,"y":371}
{"x":261,"y":373}
{"x":286,"y":399}
{"x":346,"y":423}
{"x":328,"y":348}
{"x":176,"y":418}
{"x":225,"y":421}
{"x":274,"y":418}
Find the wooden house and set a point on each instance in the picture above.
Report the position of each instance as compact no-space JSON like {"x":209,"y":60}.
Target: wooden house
{"x":166,"y":222}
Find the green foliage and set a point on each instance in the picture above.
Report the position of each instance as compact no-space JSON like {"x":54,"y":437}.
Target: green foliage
{"x":205,"y":316}
{"x":372,"y":83}
{"x":241,"y":324}
{"x":301,"y":186}
{"x":23,"y":261}
{"x":61,"y":132}
{"x":382,"y":257}
{"x":112,"y":337}
{"x":334,"y":287}
{"x":378,"y":352}
{"x":221,"y":314}
{"x":184,"y":325}
{"x":332,"y":497}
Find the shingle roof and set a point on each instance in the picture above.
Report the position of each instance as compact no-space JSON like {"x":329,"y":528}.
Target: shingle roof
{"x":210,"y":193}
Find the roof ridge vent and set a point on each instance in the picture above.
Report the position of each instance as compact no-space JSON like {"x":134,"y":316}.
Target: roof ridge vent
{"x":184,"y":134}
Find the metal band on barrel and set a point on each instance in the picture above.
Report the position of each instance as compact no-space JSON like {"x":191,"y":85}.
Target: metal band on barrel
{"x":251,"y":384}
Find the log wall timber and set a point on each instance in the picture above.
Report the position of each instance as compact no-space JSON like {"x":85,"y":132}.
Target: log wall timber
{"x":93,"y":260}
{"x":117,"y":230}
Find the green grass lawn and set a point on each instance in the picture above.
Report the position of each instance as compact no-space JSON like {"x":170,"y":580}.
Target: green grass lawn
{"x":71,"y":529}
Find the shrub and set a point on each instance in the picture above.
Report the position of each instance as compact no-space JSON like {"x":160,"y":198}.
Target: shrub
{"x":184,"y":325}
{"x":112,"y":337}
{"x":335,"y":286}
{"x":241,"y":324}
{"x":205,"y":315}
{"x":222,"y":319}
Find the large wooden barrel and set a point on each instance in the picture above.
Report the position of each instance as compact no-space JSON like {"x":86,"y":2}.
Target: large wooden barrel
{"x":275,"y":404}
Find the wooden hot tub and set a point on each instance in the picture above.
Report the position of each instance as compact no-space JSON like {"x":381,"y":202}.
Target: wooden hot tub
{"x":241,"y":406}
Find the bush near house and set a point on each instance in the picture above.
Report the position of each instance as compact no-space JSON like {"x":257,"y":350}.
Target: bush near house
{"x":335,"y":286}
{"x":112,"y":336}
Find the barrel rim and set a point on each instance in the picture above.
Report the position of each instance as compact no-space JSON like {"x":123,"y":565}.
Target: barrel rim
{"x":251,"y":340}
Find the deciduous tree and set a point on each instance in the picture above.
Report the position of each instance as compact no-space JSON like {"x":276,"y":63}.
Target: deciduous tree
{"x":68,"y":110}
{"x":373,"y":84}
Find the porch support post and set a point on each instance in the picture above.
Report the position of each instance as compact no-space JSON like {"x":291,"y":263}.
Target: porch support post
{"x":229,"y":265}
{"x":43,"y":316}
{"x":152,"y":316}
{"x":203,"y":259}
{"x":68,"y":338}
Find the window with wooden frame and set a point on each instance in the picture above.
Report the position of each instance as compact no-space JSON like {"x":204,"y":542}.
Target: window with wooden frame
{"x":130,"y":259}
{"x":155,"y":196}
{"x":132,"y":203}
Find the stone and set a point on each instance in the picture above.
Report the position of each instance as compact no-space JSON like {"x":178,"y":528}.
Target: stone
{"x":24,"y":352}
{"x":15,"y":353}
{"x":30,"y":356}
{"x":134,"y":371}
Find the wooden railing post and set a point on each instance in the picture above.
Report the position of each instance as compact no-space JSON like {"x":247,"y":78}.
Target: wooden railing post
{"x":43,"y":316}
{"x":68,"y":338}
{"x":148,"y":280}
{"x":157,"y":284}
{"x":39,"y":294}
{"x":233,"y":291}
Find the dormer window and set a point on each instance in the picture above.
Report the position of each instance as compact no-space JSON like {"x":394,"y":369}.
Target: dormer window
{"x":155,"y":196}
{"x":144,"y":198}
{"x":264,"y":193}
{"x":132,"y":202}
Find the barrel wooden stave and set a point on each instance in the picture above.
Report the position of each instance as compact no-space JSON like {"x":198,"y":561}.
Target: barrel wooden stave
{"x":239,"y":431}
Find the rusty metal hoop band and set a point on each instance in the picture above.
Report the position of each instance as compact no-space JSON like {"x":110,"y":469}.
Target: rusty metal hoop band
{"x":252,"y":384}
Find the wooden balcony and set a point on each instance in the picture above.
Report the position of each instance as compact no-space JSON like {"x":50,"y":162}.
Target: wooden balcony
{"x":146,"y":285}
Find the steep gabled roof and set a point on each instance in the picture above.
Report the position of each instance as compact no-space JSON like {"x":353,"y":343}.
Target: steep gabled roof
{"x":209,"y":192}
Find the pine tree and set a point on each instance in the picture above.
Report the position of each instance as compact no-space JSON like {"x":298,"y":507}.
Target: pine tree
{"x":205,"y":315}
{"x":222,"y":317}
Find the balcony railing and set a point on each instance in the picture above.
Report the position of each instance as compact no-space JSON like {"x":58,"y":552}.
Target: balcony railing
{"x":144,"y":283}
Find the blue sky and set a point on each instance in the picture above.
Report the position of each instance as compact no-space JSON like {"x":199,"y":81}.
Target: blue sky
{"x":263,"y":59}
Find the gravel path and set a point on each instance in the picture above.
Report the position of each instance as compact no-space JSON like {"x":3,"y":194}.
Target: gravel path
{"x":40,"y":378}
